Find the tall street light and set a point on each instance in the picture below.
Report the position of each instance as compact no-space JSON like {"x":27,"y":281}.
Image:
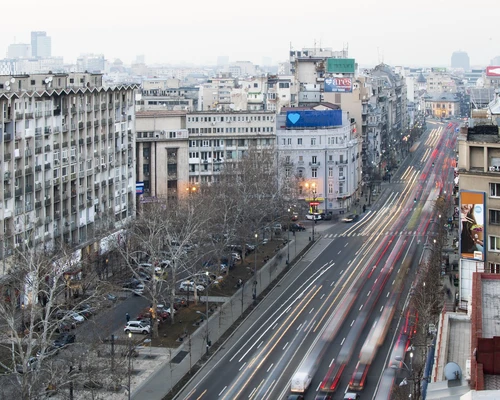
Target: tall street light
{"x":129,"y":362}
{"x":254,"y":295}
{"x":288,"y":239}
{"x":206,"y":304}
{"x":312,"y":203}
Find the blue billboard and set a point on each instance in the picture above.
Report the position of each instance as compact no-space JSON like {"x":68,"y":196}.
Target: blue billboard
{"x":313,"y":118}
{"x":139,"y":188}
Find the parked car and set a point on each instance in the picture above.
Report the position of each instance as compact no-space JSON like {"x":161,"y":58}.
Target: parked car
{"x":139,"y":290}
{"x":65,"y":326}
{"x":74,"y":316}
{"x":64,"y":339}
{"x":351,"y":218}
{"x":85,"y":310}
{"x":31,"y":365}
{"x":188,"y":286}
{"x":314,"y":216}
{"x":131,"y":283}
{"x":295,"y":216}
{"x":137,"y":327}
{"x":111,"y":297}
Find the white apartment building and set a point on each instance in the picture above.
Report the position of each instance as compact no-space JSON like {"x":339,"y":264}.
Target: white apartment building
{"x":68,"y":149}
{"x":166,"y":94}
{"x":325,"y":158}
{"x":215,"y":94}
{"x":216,"y":138}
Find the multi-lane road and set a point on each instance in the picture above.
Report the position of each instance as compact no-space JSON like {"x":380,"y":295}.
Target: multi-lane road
{"x":319,"y":316}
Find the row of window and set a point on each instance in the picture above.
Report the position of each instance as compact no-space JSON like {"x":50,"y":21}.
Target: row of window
{"x":229,"y":142}
{"x":231,"y":118}
{"x":331,"y":140}
{"x":264,"y":129}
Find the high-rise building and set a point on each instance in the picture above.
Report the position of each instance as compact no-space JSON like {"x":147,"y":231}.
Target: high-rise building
{"x":460,"y":59}
{"x":41,"y":44}
{"x":19,"y":50}
{"x":68,"y":161}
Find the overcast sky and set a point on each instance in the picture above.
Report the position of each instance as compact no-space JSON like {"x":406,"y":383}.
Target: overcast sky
{"x":424,"y":32}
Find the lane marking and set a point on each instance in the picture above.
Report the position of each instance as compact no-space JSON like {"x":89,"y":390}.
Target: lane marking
{"x":269,"y":369}
{"x":243,"y":366}
{"x":223,"y":390}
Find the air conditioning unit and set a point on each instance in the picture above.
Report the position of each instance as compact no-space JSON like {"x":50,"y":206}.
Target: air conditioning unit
{"x":497,"y":168}
{"x":492,"y":169}
{"x":21,"y":198}
{"x":65,"y":159}
{"x":56,"y":161}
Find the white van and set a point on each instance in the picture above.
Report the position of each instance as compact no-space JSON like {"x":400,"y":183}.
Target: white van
{"x":188,"y":286}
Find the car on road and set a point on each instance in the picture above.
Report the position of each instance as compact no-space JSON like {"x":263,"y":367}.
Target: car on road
{"x":295,"y":216}
{"x":295,"y":397}
{"x":137,"y":327}
{"x":326,"y":216}
{"x":296,"y":227}
{"x":313,"y":217}
{"x":351,"y":218}
{"x":64,"y":339}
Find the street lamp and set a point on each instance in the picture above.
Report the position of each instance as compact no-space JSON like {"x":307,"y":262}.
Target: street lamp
{"x":206,"y":317}
{"x":408,"y":369}
{"x":288,"y":240}
{"x":254,"y":295}
{"x":129,"y":362}
{"x":312,"y":186}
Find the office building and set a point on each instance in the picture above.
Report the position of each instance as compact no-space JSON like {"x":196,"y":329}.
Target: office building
{"x":41,"y":45}
{"x":460,"y":59}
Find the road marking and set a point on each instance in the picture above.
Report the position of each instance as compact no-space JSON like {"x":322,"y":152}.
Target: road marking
{"x":339,"y":252}
{"x":352,"y":323}
{"x":201,"y":395}
{"x":243,"y":366}
{"x":269,"y":369}
{"x":381,"y":308}
{"x":299,"y":327}
{"x":333,"y":283}
{"x":251,"y":394}
{"x":368,"y":293}
{"x":360,"y":307}
{"x":346,"y":244}
{"x":341,"y":272}
{"x":331,"y":362}
{"x":275,"y":325}
{"x":388,"y":294}
{"x":393,"y":282}
{"x":284,"y":347}
{"x":343,"y":340}
{"x":260,"y":344}
{"x":223,"y":390}
{"x":312,"y":309}
{"x":323,"y":295}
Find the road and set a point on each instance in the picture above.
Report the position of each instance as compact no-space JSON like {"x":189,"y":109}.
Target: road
{"x":260,"y":364}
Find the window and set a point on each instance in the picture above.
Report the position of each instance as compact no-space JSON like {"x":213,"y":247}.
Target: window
{"x":341,"y":187}
{"x":287,"y":159}
{"x":493,"y":268}
{"x":330,"y":172}
{"x":341,"y":171}
{"x":299,"y":141}
{"x":301,"y":158}
{"x":300,"y":189}
{"x":314,"y":159}
{"x":494,"y":217}
{"x":313,"y":141}
{"x":494,"y":189}
{"x":287,"y":172}
{"x":314,"y":173}
{"x":289,"y":141}
{"x":330,"y":188}
{"x":494,"y":243}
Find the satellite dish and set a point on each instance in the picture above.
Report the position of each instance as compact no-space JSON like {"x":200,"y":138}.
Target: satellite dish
{"x":50,"y":78}
{"x":12,"y":80}
{"x":452,"y":371}
{"x":46,"y":80}
{"x":7,"y":83}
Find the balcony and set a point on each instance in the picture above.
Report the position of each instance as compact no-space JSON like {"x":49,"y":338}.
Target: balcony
{"x":89,"y":140}
{"x":7,"y":156}
{"x":38,"y":150}
{"x":38,"y":131}
{"x":28,"y":170}
{"x":47,"y":166}
{"x":18,"y":173}
{"x":38,"y":185}
{"x":18,"y":192}
{"x":38,"y":204}
{"x":38,"y":114}
{"x":7,"y":137}
{"x":314,"y":164}
{"x":65,"y":128}
{"x":56,"y":146}
{"x":48,"y":183}
{"x":7,"y":194}
{"x":47,"y":201}
{"x":28,"y":188}
{"x":7,"y":175}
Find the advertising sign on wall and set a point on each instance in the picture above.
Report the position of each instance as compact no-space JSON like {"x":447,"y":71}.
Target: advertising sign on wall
{"x":139,"y":188}
{"x":338,"y":85}
{"x":313,"y":118}
{"x":493,"y":71}
{"x":472,"y":228}
{"x":341,"y":65}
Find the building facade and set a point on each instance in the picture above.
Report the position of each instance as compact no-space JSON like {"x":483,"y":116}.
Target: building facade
{"x":218,"y":138}
{"x":324,"y":158}
{"x":67,"y":145}
{"x":161,"y":154}
{"x":41,"y":45}
{"x":442,"y":105}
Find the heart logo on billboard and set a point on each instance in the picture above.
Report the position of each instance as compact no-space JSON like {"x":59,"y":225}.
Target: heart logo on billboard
{"x":328,"y":81}
{"x":293,"y":117}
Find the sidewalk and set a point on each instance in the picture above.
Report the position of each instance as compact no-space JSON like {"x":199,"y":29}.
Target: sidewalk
{"x":153,"y":379}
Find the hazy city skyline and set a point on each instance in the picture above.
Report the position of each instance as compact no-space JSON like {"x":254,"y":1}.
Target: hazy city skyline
{"x":425,"y":33}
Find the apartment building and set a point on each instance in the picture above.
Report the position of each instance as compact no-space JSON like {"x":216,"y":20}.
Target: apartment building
{"x":166,"y":94}
{"x":321,"y":153}
{"x":216,"y":138}
{"x":215,"y":94}
{"x":441,"y":105}
{"x":162,"y":154}
{"x":67,"y":146}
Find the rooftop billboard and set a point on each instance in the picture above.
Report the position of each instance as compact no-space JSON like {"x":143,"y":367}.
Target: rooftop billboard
{"x":313,"y":118}
{"x":493,"y":71}
{"x":341,"y":65}
{"x":338,"y":85}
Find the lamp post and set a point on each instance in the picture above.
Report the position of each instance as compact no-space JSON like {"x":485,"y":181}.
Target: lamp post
{"x":129,"y":362}
{"x":254,"y":294}
{"x":408,"y":369}
{"x":288,"y":241}
{"x":206,"y":317}
{"x":312,"y":186}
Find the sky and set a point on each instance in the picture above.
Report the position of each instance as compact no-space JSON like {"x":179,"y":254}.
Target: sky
{"x":423,"y":33}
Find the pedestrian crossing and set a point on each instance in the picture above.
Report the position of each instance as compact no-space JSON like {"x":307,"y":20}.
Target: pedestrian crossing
{"x":387,"y":233}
